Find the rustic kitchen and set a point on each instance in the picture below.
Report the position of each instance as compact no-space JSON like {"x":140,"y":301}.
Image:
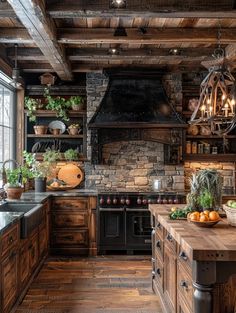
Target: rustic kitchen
{"x":117,"y":156}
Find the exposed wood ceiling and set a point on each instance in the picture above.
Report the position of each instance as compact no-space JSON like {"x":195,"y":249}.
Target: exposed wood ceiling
{"x":70,"y":36}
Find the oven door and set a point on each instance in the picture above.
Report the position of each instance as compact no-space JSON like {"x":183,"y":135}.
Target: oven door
{"x":112,"y":227}
{"x":138,"y":228}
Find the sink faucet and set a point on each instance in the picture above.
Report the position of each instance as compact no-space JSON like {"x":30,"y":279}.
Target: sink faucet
{"x":3,"y":195}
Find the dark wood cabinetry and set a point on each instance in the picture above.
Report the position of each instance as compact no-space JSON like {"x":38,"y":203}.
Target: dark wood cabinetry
{"x":73,"y":225}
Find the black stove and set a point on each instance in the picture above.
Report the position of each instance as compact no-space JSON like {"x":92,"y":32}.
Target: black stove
{"x":124,"y":219}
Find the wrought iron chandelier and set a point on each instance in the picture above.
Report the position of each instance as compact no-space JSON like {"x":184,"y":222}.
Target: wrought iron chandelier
{"x":216,"y":105}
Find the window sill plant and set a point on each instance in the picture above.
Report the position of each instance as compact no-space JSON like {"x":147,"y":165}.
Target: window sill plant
{"x":14,"y":188}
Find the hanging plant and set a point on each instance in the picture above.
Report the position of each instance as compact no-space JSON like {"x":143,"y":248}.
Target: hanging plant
{"x":58,"y":104}
{"x":31,"y":106}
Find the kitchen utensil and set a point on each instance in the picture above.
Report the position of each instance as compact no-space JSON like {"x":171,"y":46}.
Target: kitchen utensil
{"x":71,"y":174}
{"x":57,"y":124}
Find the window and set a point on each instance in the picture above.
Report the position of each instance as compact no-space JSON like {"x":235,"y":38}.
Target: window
{"x":7,"y":124}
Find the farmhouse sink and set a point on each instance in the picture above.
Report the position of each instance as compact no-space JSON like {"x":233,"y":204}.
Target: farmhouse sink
{"x":33,"y":214}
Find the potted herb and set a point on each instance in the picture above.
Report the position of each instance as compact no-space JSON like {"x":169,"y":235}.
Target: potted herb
{"x":14,"y":183}
{"x":74,"y":129}
{"x":51,"y":155}
{"x":76,"y":102}
{"x":71,"y":155}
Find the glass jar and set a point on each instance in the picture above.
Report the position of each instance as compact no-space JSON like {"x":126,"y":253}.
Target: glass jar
{"x":194,"y":147}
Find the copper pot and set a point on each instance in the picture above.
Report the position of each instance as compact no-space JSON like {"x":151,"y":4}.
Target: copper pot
{"x":40,"y":129}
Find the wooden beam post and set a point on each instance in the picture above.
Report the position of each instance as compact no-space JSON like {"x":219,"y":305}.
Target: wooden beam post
{"x":42,"y":30}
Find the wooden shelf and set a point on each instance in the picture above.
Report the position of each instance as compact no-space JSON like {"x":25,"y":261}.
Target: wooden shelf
{"x":55,"y":136}
{"x":230,"y":157}
{"x":49,"y":113}
{"x":39,"y":157}
{"x":210,"y":137}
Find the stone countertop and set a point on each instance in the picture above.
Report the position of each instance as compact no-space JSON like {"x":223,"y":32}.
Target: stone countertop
{"x":40,"y":197}
{"x":217,"y":243}
{"x":8,"y":218}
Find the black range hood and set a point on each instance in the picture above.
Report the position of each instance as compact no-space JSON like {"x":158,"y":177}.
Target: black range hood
{"x":135,"y":107}
{"x":135,"y":99}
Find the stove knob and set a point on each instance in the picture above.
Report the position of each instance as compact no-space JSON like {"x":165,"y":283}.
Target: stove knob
{"x":176,"y":200}
{"x":108,"y":200}
{"x":144,"y":201}
{"x":122,"y":200}
{"x":170,"y":200}
{"x":164,"y":201}
{"x":139,"y":200}
{"x":114,"y":201}
{"x":159,"y":200}
{"x":101,"y":200}
{"x":149,"y":201}
{"x":127,"y":201}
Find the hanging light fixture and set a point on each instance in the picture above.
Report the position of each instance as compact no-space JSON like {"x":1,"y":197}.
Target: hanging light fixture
{"x":216,"y":105}
{"x":16,"y":78}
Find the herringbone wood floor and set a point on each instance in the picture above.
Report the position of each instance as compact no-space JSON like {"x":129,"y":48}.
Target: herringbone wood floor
{"x":111,"y":284}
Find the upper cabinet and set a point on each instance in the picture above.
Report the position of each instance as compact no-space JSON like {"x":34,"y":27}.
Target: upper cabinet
{"x":201,"y":144}
{"x":60,"y":129}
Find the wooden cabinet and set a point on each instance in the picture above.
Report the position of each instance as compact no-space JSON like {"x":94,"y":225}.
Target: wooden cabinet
{"x":9,"y":267}
{"x":73,"y":225}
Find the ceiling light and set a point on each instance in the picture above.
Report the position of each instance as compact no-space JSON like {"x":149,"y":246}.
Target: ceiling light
{"x":174,"y":51}
{"x":113,"y":51}
{"x":16,"y":81}
{"x":117,"y":4}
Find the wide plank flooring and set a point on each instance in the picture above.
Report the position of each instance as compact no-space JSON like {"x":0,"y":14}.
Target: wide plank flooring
{"x":111,"y":284}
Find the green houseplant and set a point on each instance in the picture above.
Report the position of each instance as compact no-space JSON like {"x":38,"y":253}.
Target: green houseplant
{"x":14,"y":183}
{"x":71,"y":155}
{"x":76,"y":102}
{"x":31,"y":106}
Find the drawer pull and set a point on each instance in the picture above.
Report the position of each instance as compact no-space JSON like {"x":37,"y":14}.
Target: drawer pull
{"x":158,"y":271}
{"x":183,"y":256}
{"x":158,"y":225}
{"x":169,"y":237}
{"x":158,"y":244}
{"x":13,"y":254}
{"x":184,"y":284}
{"x":10,"y":240}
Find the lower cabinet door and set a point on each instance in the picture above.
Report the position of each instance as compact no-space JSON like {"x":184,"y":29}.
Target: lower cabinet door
{"x":170,"y":279}
{"x":24,"y":265}
{"x":43,"y":240}
{"x":9,"y":281}
{"x":33,"y":251}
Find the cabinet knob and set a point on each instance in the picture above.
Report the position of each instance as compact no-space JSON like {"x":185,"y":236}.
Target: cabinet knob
{"x":11,"y":240}
{"x":158,"y":271}
{"x":169,"y":237}
{"x":158,"y":244}
{"x":183,"y":256}
{"x":158,"y":225}
{"x":184,"y":284}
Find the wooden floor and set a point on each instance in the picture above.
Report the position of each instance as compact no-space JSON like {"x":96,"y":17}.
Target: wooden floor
{"x":111,"y":284}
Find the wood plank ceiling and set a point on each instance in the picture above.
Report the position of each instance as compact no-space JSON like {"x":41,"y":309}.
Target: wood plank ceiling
{"x":78,"y":36}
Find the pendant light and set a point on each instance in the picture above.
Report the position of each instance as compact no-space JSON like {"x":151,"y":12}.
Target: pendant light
{"x":16,"y":78}
{"x":216,"y":105}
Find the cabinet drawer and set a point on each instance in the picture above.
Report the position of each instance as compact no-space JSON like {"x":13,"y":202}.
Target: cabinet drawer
{"x":159,"y":229}
{"x":70,"y":238}
{"x":159,"y":274}
{"x":184,"y":286}
{"x":159,"y":246}
{"x":170,"y":242}
{"x":10,"y":238}
{"x":70,"y":204}
{"x":184,"y":260}
{"x":64,"y":219}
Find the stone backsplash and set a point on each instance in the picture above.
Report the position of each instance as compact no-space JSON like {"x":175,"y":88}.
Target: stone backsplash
{"x":133,"y":164}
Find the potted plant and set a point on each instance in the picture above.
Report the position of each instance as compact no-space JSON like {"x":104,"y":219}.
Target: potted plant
{"x":205,"y":184}
{"x":32,"y":105}
{"x":14,"y":183}
{"x":74,"y":129}
{"x":76,"y":102}
{"x":71,"y":155}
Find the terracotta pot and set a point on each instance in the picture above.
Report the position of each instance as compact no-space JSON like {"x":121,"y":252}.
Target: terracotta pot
{"x":77,"y":107}
{"x":14,"y":192}
{"x":40,"y":129}
{"x":55,"y":131}
{"x":73,"y":131}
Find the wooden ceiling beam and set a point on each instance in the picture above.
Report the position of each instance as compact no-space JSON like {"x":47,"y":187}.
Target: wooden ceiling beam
{"x":151,"y":36}
{"x":6,"y":11}
{"x":41,"y":28}
{"x":15,"y":35}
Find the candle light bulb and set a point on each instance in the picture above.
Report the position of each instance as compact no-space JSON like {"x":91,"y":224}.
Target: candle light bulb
{"x":210,"y":110}
{"x":208,"y":101}
{"x":203,"y":110}
{"x":233,"y":101}
{"x":223,"y":97}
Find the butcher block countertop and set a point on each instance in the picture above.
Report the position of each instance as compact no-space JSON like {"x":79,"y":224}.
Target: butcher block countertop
{"x":217,"y":243}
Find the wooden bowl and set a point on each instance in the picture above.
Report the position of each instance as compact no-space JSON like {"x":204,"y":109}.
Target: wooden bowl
{"x":204,"y":224}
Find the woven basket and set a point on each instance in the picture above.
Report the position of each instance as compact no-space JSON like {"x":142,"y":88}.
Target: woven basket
{"x":231,"y":214}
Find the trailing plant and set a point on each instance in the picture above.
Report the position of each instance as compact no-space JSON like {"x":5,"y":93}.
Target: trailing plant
{"x":58,"y":104}
{"x":37,"y":169}
{"x":208,"y":180}
{"x":71,"y":154}
{"x":31,"y":106}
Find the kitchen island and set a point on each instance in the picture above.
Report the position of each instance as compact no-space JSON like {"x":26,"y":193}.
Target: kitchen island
{"x":193,"y":267}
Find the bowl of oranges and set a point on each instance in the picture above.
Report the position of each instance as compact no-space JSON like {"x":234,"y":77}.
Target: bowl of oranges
{"x":204,"y":219}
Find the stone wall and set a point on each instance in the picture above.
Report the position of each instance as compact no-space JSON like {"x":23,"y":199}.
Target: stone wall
{"x":131,"y":165}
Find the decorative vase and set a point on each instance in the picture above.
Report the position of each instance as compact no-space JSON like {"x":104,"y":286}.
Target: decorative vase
{"x":40,"y":184}
{"x":14,"y":192}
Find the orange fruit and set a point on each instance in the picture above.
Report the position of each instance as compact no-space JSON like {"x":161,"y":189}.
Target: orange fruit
{"x":206,"y":212}
{"x":214,"y":216}
{"x":204,"y":218}
{"x":194,"y":216}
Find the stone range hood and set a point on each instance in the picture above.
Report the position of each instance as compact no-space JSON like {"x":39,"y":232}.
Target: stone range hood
{"x":134,"y":107}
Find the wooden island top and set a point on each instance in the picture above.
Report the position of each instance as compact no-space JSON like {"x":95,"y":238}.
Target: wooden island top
{"x":217,"y":243}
